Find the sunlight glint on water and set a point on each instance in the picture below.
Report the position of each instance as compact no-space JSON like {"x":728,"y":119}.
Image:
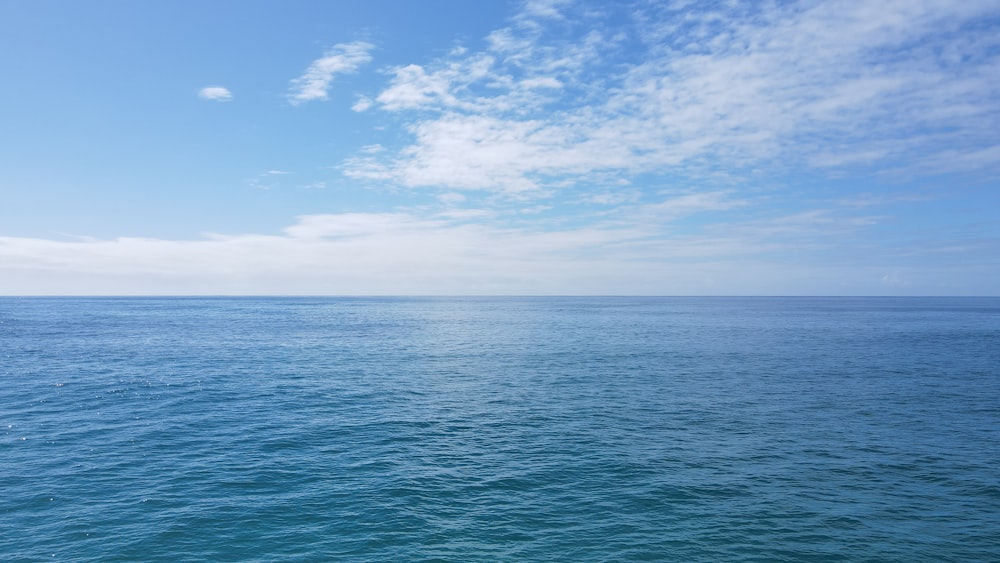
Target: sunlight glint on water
{"x":567,"y":429}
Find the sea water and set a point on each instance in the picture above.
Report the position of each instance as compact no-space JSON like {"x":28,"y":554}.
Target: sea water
{"x":499,"y":429}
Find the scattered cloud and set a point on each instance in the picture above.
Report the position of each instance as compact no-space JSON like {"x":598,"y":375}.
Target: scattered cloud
{"x":845,"y":84}
{"x":215,"y":93}
{"x":363,"y":104}
{"x":344,"y":58}
{"x":413,"y":88}
{"x":543,"y":9}
{"x":541,"y":82}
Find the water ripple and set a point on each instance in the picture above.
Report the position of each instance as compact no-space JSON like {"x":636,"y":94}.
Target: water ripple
{"x":500,"y":429}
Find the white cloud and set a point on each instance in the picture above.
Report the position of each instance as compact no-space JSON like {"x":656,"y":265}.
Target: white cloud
{"x":454,"y":252}
{"x":451,"y":197}
{"x":215,"y":93}
{"x":350,"y":225}
{"x":363,"y":104}
{"x":341,"y":254}
{"x":543,"y":8}
{"x":534,"y":210}
{"x":692,"y":203}
{"x":343,"y":58}
{"x":837,"y":84}
{"x":465,"y":214}
{"x":460,"y":151}
{"x":613,"y":198}
{"x":541,"y":82}
{"x":413,"y":88}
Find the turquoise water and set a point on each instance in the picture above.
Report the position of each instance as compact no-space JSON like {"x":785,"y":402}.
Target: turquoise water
{"x":569,"y":429}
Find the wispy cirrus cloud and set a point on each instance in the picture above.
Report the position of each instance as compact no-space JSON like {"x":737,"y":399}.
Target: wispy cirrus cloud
{"x":834,"y":85}
{"x":343,"y":58}
{"x":266,"y":180}
{"x":543,"y":9}
{"x":215,"y":93}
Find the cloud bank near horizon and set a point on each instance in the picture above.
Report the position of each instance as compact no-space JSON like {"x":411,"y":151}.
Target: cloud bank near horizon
{"x":443,"y":254}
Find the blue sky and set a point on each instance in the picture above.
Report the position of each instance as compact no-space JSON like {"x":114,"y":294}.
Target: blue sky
{"x":543,"y":147}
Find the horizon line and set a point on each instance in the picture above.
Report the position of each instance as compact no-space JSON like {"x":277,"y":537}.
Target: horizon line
{"x":478,"y":296}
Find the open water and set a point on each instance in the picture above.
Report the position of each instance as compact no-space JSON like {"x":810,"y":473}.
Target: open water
{"x":499,"y":429}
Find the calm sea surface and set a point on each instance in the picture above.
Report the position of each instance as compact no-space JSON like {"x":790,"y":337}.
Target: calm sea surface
{"x":513,"y":429}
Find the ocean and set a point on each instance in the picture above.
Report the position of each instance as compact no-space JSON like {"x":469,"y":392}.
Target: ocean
{"x":500,"y":429}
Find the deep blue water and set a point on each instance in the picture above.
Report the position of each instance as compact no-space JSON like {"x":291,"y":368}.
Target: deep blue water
{"x":484,"y":429}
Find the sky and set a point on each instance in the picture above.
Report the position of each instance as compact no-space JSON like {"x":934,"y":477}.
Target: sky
{"x":500,"y":147}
